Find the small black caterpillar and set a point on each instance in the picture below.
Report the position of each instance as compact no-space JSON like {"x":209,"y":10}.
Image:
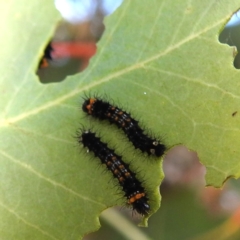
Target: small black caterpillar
{"x":46,"y":56}
{"x":132,"y":187}
{"x":105,"y":111}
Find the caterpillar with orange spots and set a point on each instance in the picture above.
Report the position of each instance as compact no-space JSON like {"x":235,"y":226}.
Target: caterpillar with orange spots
{"x":103,"y":110}
{"x":47,"y":56}
{"x":132,"y":187}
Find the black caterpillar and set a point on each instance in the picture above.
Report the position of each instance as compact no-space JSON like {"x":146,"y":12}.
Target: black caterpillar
{"x":132,"y":187}
{"x":47,"y":56}
{"x":105,"y":111}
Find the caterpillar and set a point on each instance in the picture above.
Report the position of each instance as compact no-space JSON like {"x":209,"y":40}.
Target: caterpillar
{"x":103,"y":110}
{"x":46,"y":56}
{"x":131,"y":186}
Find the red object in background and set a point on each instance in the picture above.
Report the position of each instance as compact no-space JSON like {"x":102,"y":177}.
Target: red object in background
{"x":79,"y":50}
{"x":73,"y":49}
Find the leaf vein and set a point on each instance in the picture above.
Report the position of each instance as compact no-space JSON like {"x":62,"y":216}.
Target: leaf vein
{"x":26,"y":222}
{"x":49,"y":180}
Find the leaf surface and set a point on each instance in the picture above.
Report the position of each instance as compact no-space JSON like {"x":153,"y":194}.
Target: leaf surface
{"x":159,"y":60}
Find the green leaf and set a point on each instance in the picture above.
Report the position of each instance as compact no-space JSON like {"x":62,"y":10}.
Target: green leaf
{"x":159,"y":60}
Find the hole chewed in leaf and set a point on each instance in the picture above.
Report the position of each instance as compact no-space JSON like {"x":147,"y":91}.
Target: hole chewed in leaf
{"x":230,"y":35}
{"x":74,"y":41}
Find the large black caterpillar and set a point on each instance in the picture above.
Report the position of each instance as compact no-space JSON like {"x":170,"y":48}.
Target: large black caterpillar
{"x":132,"y":187}
{"x":105,"y":111}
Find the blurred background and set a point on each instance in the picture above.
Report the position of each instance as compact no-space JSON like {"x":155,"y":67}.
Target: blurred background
{"x":188,"y":209}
